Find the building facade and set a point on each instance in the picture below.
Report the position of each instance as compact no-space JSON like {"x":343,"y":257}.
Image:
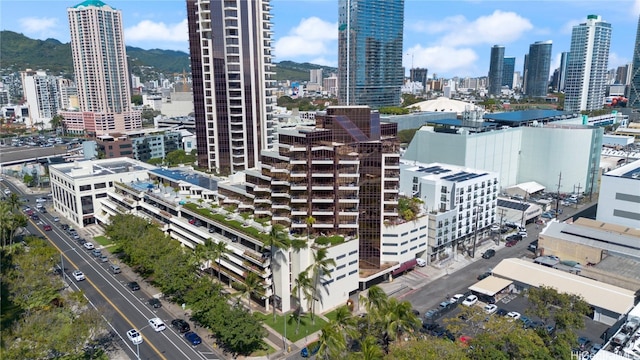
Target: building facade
{"x":619,"y":198}
{"x":42,"y":94}
{"x":370,"y":52}
{"x":509,"y":67}
{"x":587,"y":67}
{"x":233,"y":90}
{"x":538,"y":65}
{"x":562,"y":72}
{"x":634,"y":88}
{"x":420,"y":75}
{"x":460,"y":203}
{"x":101,"y":71}
{"x":496,"y":68}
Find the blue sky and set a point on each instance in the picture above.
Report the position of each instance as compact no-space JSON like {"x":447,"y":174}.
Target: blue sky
{"x":450,"y":38}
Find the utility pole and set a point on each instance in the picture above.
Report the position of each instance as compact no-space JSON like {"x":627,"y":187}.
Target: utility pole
{"x":558,"y":194}
{"x":475,"y":235}
{"x":524,"y":208}
{"x":578,"y":194}
{"x":593,"y":175}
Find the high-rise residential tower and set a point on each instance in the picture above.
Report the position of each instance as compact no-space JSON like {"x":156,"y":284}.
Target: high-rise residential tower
{"x":42,"y":94}
{"x":562,"y":71}
{"x":496,"y":67}
{"x":233,"y":91}
{"x":101,"y":71}
{"x":538,"y":65}
{"x":587,"y":67}
{"x":509,"y":67}
{"x":634,"y":86}
{"x":370,"y":52}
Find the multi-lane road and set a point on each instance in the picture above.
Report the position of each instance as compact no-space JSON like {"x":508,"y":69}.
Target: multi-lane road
{"x":122,"y":308}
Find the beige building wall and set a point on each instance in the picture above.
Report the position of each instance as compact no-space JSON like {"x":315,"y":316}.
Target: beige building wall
{"x":567,"y":250}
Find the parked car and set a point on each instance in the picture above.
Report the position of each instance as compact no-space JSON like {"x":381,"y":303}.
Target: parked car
{"x":470,"y":300}
{"x":583,"y":343}
{"x":180,"y":325}
{"x":523,"y":234}
{"x":421,"y":262}
{"x":306,"y":352}
{"x":456,"y":298}
{"x":501,"y":312}
{"x":88,"y":246}
{"x":446,"y":306}
{"x":513,"y":315}
{"x":134,"y":336}
{"x":488,"y":254}
{"x":133,"y":286}
{"x":533,"y":246}
{"x":155,"y":303}
{"x":484,"y":275}
{"x":78,"y":275}
{"x":511,"y":243}
{"x":103,"y":258}
{"x":157,"y":324}
{"x":490,"y":308}
{"x":193,"y":338}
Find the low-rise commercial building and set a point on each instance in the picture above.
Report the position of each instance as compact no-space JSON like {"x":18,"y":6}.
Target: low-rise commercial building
{"x":619,"y":198}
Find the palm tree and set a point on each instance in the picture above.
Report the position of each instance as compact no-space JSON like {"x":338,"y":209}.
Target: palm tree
{"x":320,"y":267}
{"x":375,"y":301}
{"x":251,"y":286}
{"x":370,"y":349}
{"x":17,"y":221}
{"x":399,"y":318}
{"x":14,"y":202}
{"x":332,"y":342}
{"x":310,"y":221}
{"x":5,"y":220}
{"x":219,"y":251}
{"x":277,"y":240}
{"x":303,"y":286}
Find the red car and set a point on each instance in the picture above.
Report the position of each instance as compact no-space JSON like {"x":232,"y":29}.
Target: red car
{"x":47,"y":227}
{"x":192,"y":221}
{"x":511,"y":243}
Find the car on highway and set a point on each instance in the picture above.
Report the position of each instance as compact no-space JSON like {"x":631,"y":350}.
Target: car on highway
{"x":157,"y":324}
{"x":133,"y":286}
{"x":155,"y":303}
{"x":46,"y":227}
{"x":78,"y":275}
{"x":88,"y":246}
{"x":134,"y":336}
{"x":192,"y":338}
{"x":490,"y":308}
{"x":180,"y":325}
{"x":470,"y":300}
{"x":488,"y":254}
{"x":511,"y":243}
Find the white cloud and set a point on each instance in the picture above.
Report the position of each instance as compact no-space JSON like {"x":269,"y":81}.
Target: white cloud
{"x":148,"y":30}
{"x":312,"y":37}
{"x":616,"y":60}
{"x":324,"y":61}
{"x":39,"y":26}
{"x":442,"y":59}
{"x":498,"y":28}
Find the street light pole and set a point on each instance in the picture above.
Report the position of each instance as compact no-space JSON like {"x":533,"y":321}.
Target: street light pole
{"x":475,"y":235}
{"x":284,"y":339}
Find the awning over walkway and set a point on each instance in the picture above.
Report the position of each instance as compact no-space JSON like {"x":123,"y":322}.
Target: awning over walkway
{"x":525,"y":189}
{"x":405,"y":266}
{"x":490,"y":285}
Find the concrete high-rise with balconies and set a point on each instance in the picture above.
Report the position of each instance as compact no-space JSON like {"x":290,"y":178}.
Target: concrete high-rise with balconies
{"x":233,"y":90}
{"x":101,"y":71}
{"x":587,"y":68}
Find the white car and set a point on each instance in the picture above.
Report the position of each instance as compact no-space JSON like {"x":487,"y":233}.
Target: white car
{"x":490,"y":308}
{"x":523,"y":234}
{"x":89,"y":246}
{"x":470,"y":300}
{"x":456,"y":298}
{"x":512,"y":315}
{"x":39,"y":206}
{"x":7,"y":191}
{"x":56,"y":219}
{"x":157,"y":324}
{"x":421,"y":262}
{"x":78,"y":275}
{"x":134,"y":336}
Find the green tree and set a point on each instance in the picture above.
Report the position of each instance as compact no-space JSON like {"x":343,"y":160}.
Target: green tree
{"x":405,"y":136}
{"x":276,"y":241}
{"x":393,"y":110}
{"x":332,"y":342}
{"x":136,"y":99}
{"x":303,"y":287}
{"x":240,"y":331}
{"x":399,"y":319}
{"x":432,"y":349}
{"x":177,"y":157}
{"x":252,"y":286}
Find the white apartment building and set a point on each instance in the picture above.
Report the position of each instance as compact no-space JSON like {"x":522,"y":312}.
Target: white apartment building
{"x":42,"y":95}
{"x":460,"y":203}
{"x":619,"y":198}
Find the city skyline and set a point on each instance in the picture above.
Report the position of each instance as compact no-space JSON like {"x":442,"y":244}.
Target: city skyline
{"x":450,"y":39}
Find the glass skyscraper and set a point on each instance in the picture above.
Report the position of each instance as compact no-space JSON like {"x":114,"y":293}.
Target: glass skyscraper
{"x":509,"y":67}
{"x":496,"y":67}
{"x":370,"y":52}
{"x":587,"y":67}
{"x":538,"y":65}
{"x":634,"y":87}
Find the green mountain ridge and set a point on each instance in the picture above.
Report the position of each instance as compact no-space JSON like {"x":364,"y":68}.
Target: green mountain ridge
{"x":20,"y":52}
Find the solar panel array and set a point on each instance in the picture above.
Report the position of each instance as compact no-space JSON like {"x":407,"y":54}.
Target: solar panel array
{"x":436,"y":170}
{"x":513,"y":205}
{"x":462,"y":176}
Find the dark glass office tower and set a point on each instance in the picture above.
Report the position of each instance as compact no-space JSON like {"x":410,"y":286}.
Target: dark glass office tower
{"x":496,"y":68}
{"x":538,"y":66}
{"x":507,"y":72}
{"x":233,"y":89}
{"x":370,"y":52}
{"x":634,"y":87}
